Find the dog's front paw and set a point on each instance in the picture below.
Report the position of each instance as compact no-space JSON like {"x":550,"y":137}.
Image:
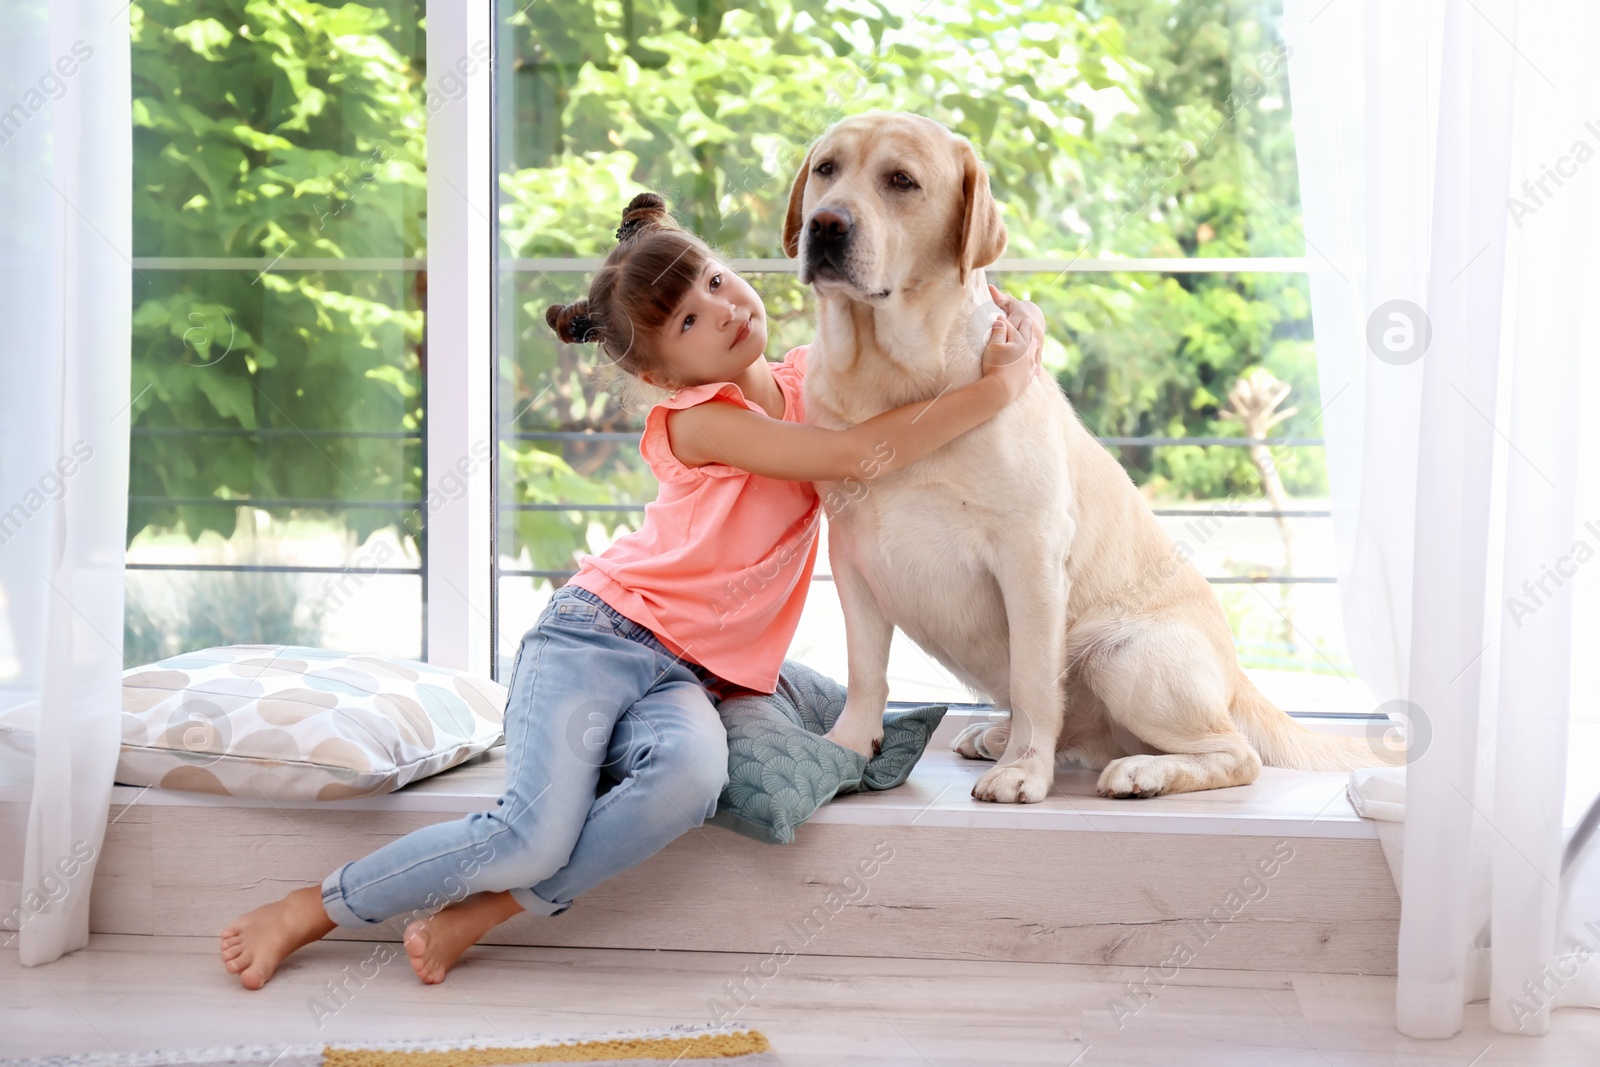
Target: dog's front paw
{"x":1014,"y":783}
{"x":865,"y":744}
{"x":983,"y":740}
{"x":1136,"y":776}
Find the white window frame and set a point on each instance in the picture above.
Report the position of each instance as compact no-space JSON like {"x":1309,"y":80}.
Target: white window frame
{"x":461,"y":449}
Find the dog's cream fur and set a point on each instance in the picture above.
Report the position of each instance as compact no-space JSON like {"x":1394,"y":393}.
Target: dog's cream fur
{"x":1020,"y":555}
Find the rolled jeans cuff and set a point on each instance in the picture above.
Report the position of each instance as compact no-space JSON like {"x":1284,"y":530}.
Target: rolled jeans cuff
{"x":533,"y":903}
{"x":334,"y":904}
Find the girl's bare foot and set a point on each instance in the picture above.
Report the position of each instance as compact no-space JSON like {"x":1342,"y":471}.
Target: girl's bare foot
{"x":435,"y":943}
{"x":256,"y":942}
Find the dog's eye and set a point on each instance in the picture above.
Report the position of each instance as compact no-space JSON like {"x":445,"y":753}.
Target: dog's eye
{"x":825,"y":169}
{"x":901,"y":180}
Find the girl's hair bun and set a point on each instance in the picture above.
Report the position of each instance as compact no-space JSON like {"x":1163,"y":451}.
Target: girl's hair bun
{"x":645,"y":211}
{"x":571,"y":322}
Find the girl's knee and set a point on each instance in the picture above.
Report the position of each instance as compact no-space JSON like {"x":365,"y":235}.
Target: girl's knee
{"x":708,"y":777}
{"x":697,"y":775}
{"x":701,"y":753}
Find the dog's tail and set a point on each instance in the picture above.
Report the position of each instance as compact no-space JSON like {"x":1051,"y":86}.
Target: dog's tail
{"x":1282,"y":742}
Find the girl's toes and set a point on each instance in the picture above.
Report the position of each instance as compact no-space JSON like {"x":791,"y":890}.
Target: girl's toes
{"x":236,"y":963}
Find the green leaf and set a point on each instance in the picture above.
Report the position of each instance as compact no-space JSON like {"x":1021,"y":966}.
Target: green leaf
{"x":205,"y":36}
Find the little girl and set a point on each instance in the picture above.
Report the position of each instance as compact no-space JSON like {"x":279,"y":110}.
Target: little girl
{"x":619,"y":680}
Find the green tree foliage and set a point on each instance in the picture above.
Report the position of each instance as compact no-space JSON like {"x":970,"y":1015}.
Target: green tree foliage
{"x":1111,"y":128}
{"x":1127,"y":129}
{"x":266,"y":129}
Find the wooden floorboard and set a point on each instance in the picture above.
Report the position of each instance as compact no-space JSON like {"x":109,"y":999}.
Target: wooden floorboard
{"x":131,"y":993}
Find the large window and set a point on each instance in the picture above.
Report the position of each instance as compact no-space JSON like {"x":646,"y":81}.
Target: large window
{"x":1142,"y":153}
{"x":278,"y":360}
{"x":1143,"y":156}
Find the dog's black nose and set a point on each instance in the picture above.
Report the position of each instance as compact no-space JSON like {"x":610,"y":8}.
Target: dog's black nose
{"x":831,"y":226}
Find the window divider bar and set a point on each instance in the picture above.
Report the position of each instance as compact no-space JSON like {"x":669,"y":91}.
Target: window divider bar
{"x":282,"y":263}
{"x":1073,"y":265}
{"x":458,"y":516}
{"x":275,"y":502}
{"x":234,"y":431}
{"x":1266,"y":579}
{"x":634,"y":508}
{"x":756,"y":265}
{"x":271,"y":568}
{"x":1241,"y":512}
{"x":1153,"y":441}
{"x":1220,"y":513}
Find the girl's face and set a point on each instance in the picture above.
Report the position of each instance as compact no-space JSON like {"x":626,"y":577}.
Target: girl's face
{"x":718,"y":330}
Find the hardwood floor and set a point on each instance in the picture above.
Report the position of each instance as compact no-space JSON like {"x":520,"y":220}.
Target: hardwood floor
{"x":129,"y":993}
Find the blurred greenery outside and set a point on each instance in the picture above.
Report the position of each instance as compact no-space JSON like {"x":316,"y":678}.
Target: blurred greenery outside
{"x":268,"y":128}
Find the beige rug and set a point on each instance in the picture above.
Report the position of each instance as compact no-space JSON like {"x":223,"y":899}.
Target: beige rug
{"x":730,"y":1046}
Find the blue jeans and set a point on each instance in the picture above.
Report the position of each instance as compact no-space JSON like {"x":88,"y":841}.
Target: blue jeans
{"x":596,"y":699}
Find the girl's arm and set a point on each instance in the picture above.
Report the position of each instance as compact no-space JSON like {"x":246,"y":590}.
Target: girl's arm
{"x":739,"y":437}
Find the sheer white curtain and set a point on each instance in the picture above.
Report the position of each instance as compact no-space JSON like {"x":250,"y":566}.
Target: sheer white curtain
{"x":1448,"y":161}
{"x":65,"y":267}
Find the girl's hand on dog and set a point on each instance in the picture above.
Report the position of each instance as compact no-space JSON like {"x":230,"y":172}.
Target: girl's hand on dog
{"x":1019,"y":311}
{"x":1011,"y":356}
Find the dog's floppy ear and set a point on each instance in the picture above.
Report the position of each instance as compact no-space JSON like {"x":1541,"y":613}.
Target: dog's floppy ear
{"x":792,"y":221}
{"x":983,"y":234}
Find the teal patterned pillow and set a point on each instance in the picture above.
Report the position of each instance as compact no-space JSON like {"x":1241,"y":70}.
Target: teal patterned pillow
{"x":780,"y":768}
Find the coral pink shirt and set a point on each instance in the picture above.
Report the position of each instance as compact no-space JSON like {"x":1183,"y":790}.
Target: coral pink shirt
{"x":721,"y":567}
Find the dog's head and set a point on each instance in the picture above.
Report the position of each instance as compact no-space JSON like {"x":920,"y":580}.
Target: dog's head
{"x":889,"y":203}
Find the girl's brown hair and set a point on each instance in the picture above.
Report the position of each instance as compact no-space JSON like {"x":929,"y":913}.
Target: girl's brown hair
{"x":640,"y":284}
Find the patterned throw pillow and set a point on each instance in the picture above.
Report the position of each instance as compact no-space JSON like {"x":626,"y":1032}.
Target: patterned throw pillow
{"x":289,"y":723}
{"x":780,"y":768}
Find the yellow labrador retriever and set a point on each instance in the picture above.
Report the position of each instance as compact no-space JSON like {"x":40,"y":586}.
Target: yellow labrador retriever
{"x":1020,"y":555}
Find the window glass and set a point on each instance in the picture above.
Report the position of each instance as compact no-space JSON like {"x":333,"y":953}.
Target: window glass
{"x":279,"y":293}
